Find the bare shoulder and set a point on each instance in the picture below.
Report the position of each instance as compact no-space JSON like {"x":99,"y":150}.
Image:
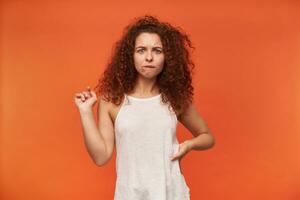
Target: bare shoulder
{"x":103,"y":104}
{"x":110,"y":107}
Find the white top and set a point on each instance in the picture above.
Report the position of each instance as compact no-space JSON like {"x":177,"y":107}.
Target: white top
{"x":145,"y":135}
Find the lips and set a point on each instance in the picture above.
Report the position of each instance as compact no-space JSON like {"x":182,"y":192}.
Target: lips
{"x":149,"y":66}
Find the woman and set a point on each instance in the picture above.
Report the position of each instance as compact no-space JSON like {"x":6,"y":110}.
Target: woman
{"x":145,"y":89}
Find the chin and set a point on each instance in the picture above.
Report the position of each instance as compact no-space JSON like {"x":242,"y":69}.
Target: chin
{"x":148,"y":76}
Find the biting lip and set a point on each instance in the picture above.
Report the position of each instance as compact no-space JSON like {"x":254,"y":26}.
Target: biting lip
{"x":149,"y":66}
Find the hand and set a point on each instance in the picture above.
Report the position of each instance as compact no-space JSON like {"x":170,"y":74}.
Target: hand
{"x":184,"y":148}
{"x":86,"y":99}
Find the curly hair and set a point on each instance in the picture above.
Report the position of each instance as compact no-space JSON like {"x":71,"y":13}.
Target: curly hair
{"x":174,"y":81}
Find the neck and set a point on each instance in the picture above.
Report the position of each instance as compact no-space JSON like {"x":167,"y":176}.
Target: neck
{"x":145,"y":87}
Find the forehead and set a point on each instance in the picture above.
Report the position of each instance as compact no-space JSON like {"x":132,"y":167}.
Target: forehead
{"x":148,"y":39}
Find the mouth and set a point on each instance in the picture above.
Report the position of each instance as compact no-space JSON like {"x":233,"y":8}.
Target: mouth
{"x":149,"y":66}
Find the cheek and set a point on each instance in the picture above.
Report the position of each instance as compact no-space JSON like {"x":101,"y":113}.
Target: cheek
{"x":137,"y":59}
{"x":162,"y":60}
{"x":134,"y":57}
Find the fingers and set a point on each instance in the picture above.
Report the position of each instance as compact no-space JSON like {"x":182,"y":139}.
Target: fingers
{"x":90,"y":92}
{"x":93,"y":93}
{"x":80,"y":96}
{"x":175,"y":156}
{"x":85,"y":94}
{"x":182,"y":151}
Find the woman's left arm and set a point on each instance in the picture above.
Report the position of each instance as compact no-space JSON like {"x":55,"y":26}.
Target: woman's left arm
{"x":203,"y":138}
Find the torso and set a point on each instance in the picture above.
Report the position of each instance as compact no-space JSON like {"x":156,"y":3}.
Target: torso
{"x":145,"y":138}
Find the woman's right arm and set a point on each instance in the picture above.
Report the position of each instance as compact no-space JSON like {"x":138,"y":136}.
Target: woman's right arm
{"x":98,"y":141}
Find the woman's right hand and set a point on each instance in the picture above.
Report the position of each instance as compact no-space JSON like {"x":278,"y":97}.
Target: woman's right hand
{"x":86,"y":99}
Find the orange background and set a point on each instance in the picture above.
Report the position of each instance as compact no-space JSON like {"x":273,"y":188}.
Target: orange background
{"x":247,"y":88}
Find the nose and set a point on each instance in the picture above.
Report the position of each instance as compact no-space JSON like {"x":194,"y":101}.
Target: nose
{"x":149,"y":56}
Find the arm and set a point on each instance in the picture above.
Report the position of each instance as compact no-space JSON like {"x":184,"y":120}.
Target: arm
{"x":203,"y":138}
{"x":99,"y":142}
{"x":93,"y":140}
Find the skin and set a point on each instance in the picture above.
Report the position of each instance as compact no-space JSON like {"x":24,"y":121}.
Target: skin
{"x":148,"y":51}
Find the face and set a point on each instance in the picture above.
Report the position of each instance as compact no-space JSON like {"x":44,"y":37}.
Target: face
{"x":148,"y":55}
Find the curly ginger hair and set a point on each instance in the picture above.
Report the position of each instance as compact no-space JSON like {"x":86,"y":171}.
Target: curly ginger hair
{"x":174,"y":81}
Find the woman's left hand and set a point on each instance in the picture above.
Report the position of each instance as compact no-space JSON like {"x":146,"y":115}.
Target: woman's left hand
{"x":184,"y":148}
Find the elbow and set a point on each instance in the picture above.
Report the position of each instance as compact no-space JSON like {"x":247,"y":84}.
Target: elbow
{"x":100,"y":158}
{"x":100,"y":163}
{"x":213,"y":141}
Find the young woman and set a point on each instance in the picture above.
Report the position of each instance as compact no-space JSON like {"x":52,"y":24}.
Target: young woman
{"x":145,"y":90}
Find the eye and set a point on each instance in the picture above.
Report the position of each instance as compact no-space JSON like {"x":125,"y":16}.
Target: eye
{"x":140,"y":50}
{"x":158,"y":51}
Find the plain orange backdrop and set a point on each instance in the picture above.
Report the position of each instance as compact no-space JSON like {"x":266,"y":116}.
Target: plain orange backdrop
{"x":247,"y":89}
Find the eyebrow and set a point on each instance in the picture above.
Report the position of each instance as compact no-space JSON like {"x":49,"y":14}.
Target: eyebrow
{"x":146,"y":47}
